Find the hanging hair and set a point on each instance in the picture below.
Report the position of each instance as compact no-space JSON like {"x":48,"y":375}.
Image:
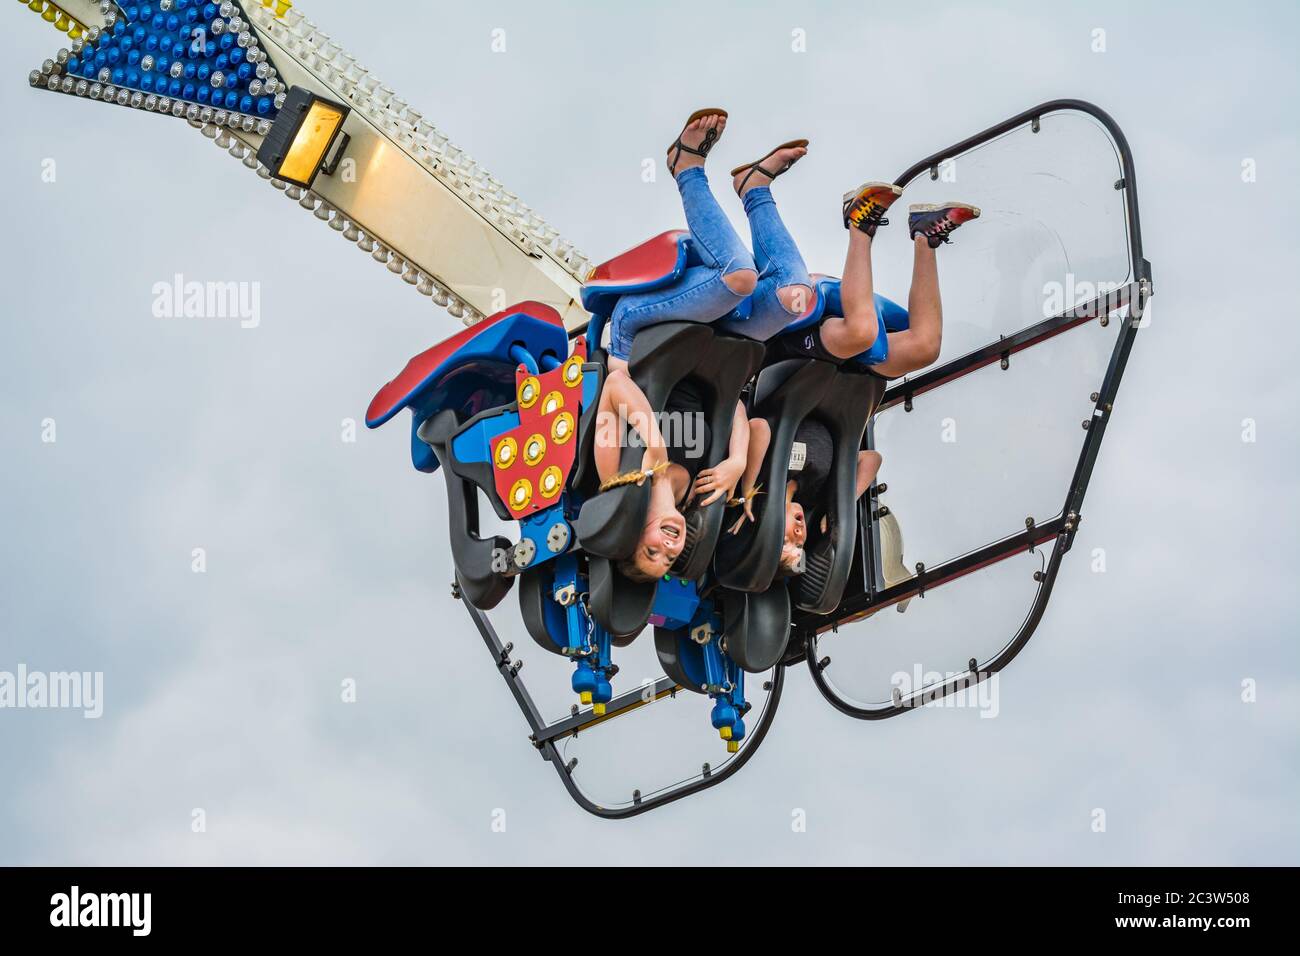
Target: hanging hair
{"x":637,"y":477}
{"x":792,"y":563}
{"x":628,"y":568}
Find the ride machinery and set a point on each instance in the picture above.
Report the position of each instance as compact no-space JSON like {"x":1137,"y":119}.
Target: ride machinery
{"x":1043,"y":299}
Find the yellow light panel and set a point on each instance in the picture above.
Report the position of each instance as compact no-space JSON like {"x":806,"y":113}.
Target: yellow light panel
{"x":311,"y":141}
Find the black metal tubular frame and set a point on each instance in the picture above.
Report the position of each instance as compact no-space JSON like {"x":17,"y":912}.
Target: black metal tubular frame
{"x":545,"y":736}
{"x":1064,"y":526}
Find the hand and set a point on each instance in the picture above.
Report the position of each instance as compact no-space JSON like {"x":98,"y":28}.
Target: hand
{"x":747,"y":500}
{"x":718,"y":481}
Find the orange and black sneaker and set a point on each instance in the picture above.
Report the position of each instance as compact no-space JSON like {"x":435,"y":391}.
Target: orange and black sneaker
{"x":937,"y":220}
{"x":864,"y":207}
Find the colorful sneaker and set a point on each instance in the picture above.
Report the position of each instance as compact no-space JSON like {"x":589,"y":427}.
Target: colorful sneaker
{"x":937,"y":220}
{"x":864,"y":207}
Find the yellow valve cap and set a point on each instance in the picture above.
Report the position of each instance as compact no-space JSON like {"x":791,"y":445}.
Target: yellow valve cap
{"x":724,"y":733}
{"x":733,"y":746}
{"x":598,"y":710}
{"x":584,"y":697}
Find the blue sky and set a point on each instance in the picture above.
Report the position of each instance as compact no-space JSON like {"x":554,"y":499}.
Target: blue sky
{"x":326,"y":560}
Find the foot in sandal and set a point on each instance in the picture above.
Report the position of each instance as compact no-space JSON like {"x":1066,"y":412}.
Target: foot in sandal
{"x":702,"y":130}
{"x":763,"y":171}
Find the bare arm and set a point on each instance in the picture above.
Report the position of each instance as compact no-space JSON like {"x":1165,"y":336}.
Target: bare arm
{"x":719,"y":480}
{"x":760,"y":436}
{"x":621,"y":400}
{"x":908,"y":351}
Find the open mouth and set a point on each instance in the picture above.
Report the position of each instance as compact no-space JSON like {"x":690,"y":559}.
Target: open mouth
{"x":670,"y":531}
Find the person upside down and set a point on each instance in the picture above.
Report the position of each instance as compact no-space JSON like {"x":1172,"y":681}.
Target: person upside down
{"x":672,"y":468}
{"x":775,"y":279}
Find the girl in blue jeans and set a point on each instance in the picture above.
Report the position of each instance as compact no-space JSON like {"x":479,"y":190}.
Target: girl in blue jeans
{"x":775,"y":279}
{"x":774,"y":275}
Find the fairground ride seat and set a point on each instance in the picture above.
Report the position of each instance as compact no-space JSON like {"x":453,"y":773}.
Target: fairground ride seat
{"x":842,"y":396}
{"x":501,"y":407}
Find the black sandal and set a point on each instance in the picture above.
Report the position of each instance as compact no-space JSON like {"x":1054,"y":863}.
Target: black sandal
{"x":757,"y":166}
{"x":710,"y":138}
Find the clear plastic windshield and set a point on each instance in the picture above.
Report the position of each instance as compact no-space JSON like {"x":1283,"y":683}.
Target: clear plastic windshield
{"x":982,"y":447}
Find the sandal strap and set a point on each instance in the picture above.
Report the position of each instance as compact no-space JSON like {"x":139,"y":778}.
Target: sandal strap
{"x":710,"y":138}
{"x":760,"y":168}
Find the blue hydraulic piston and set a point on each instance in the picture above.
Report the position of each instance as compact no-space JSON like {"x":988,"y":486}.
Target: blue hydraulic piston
{"x":586,"y":642}
{"x":723,"y":681}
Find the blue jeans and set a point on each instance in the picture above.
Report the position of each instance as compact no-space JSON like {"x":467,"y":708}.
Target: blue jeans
{"x":778,"y":259}
{"x":699,"y":295}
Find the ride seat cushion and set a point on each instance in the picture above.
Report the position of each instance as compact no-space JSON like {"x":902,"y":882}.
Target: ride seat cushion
{"x":534,"y":325}
{"x":650,"y":265}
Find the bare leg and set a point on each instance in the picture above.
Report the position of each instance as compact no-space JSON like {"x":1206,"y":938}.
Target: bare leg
{"x":857,"y":330}
{"x":920,"y":344}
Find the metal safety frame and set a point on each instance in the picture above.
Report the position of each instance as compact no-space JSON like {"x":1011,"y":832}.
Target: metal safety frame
{"x":545,"y":736}
{"x":1061,"y":529}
